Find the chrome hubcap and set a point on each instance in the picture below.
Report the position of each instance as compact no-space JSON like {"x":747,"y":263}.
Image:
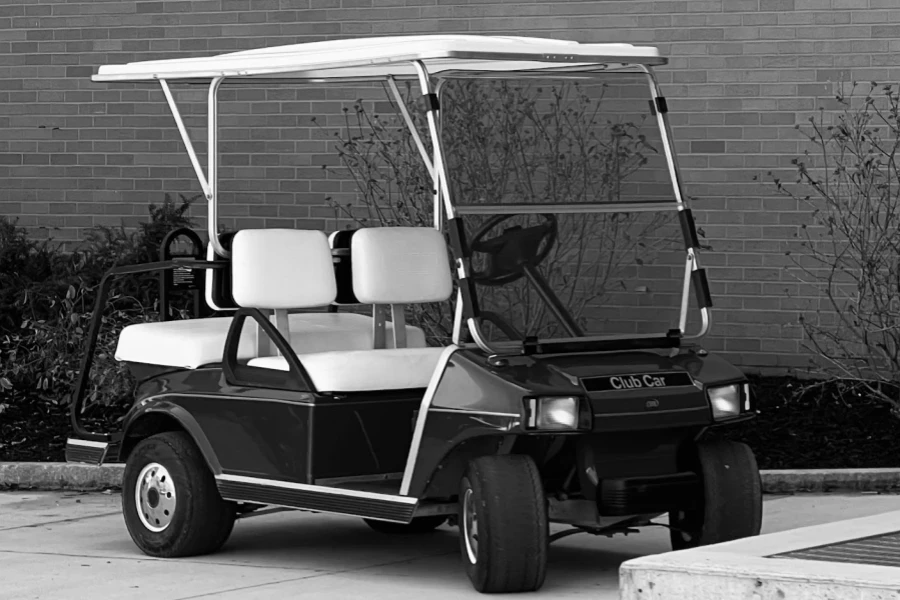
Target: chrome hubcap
{"x":470,"y":526}
{"x":154,"y":496}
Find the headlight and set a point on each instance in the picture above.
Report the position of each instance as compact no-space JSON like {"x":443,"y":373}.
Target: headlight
{"x":725,"y":401}
{"x":554,"y":413}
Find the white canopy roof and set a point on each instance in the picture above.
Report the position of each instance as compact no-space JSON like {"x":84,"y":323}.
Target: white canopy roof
{"x":379,"y":57}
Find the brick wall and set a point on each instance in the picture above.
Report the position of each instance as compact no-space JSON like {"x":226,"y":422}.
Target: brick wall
{"x":742,"y":73}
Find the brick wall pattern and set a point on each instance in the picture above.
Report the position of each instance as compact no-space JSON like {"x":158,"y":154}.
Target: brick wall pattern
{"x":742,"y":73}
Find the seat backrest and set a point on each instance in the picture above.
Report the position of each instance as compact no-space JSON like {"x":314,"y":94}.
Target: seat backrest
{"x":281,"y":269}
{"x":400,"y":265}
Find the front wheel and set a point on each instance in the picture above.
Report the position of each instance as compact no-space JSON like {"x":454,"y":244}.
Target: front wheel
{"x":169,"y":499}
{"x":729,"y":504}
{"x":503,"y":524}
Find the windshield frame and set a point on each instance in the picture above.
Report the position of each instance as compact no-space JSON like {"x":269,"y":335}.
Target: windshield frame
{"x":467,"y":310}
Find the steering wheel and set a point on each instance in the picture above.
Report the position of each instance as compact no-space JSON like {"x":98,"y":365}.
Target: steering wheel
{"x":516,"y":248}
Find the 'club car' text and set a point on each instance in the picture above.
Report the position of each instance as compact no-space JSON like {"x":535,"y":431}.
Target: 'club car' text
{"x":633,"y":382}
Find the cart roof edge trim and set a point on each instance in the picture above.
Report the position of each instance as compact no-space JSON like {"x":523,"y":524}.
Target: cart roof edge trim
{"x":389,"y":56}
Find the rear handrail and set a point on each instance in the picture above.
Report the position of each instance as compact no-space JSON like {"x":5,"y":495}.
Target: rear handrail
{"x":87,"y":359}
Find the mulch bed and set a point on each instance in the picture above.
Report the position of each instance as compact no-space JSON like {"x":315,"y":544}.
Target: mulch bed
{"x":38,"y":432}
{"x":823,"y":428}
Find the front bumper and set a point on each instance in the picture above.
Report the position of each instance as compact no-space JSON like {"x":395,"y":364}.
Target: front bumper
{"x":648,"y":494}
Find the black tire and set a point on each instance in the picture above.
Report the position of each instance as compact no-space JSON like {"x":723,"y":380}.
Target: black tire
{"x":201,"y":520}
{"x":731,"y":503}
{"x":418,"y":525}
{"x":512,"y":528}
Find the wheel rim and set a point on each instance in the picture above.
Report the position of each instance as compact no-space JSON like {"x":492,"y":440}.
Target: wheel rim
{"x":470,"y":526}
{"x":154,"y":497}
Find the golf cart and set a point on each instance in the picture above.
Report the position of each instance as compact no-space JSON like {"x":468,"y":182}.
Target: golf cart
{"x":307,"y":389}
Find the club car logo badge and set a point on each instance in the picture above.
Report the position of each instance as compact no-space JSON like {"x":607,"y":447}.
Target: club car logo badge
{"x":646,"y":381}
{"x":632,"y":382}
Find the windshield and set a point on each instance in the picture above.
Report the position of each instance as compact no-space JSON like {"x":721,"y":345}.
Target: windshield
{"x":553,"y":140}
{"x":570,"y":267}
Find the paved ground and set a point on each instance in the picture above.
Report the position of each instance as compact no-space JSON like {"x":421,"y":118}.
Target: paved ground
{"x":73,"y":546}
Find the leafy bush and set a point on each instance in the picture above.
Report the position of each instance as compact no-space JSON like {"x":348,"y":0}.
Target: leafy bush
{"x":47,"y":303}
{"x":850,"y":252}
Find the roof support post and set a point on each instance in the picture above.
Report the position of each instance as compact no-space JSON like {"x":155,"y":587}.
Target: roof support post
{"x":209,"y":180}
{"x":686,"y":289}
{"x":442,"y":192}
{"x":404,"y":112}
{"x":691,"y":264}
{"x":212,"y":156}
{"x":442,"y":189}
{"x":186,"y":138}
{"x":665,"y":131}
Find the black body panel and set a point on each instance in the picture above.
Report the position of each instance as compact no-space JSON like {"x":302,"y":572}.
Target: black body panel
{"x":479,"y":402}
{"x":363,"y":434}
{"x":278,"y":434}
{"x":254,"y":436}
{"x":477,"y":408}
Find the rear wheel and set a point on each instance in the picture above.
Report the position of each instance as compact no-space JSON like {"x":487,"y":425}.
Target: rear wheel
{"x":503,"y":524}
{"x":418,"y":525}
{"x":169,"y":499}
{"x":730,"y":503}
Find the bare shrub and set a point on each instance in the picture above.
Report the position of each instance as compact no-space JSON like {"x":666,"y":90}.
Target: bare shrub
{"x":850,"y":252}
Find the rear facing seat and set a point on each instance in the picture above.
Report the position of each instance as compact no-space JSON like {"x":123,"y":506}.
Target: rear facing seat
{"x":192,"y":343}
{"x":391,"y":266}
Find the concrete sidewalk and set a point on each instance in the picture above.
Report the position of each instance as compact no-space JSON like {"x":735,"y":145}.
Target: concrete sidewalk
{"x":74,"y":545}
{"x":848,"y":559}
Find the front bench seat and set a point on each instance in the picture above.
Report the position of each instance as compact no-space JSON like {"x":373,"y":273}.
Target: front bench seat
{"x":364,"y":370}
{"x":391,"y":266}
{"x":192,"y":343}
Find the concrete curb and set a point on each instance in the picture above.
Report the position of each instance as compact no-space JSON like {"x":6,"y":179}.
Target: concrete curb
{"x":755,"y":568}
{"x":791,"y":481}
{"x":59,"y":476}
{"x":63,"y":476}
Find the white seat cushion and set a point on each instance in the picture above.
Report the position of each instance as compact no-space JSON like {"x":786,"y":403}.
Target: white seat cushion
{"x":191,"y":343}
{"x":364,"y":370}
{"x":185,"y":344}
{"x":324,"y":332}
{"x":400,"y":265}
{"x":282,"y":268}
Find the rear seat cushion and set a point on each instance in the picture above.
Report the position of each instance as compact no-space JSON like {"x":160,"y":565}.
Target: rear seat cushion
{"x":364,"y":370}
{"x":192,"y":343}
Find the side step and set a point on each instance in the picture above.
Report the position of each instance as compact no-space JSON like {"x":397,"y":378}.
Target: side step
{"x":317,"y":498}
{"x":86,"y":451}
